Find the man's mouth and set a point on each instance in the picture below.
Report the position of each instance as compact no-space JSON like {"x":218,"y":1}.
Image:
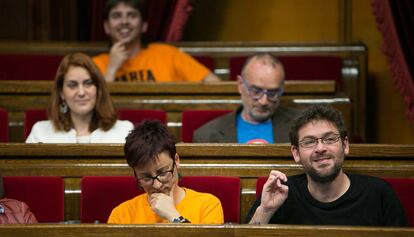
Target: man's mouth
{"x":124,"y":32}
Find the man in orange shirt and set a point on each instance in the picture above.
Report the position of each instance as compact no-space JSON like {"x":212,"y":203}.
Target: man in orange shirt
{"x":150,"y":151}
{"x":130,"y":59}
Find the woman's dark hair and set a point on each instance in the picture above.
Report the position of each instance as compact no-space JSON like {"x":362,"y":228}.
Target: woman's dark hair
{"x":147,"y":141}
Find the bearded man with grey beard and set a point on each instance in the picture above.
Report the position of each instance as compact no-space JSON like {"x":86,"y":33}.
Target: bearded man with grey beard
{"x":324,"y":194}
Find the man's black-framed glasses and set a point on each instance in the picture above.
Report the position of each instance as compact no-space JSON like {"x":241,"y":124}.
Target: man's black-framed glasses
{"x":162,"y":177}
{"x":328,"y":139}
{"x":256,"y":93}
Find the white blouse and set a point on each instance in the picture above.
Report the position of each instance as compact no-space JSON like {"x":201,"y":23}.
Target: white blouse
{"x":44,"y":132}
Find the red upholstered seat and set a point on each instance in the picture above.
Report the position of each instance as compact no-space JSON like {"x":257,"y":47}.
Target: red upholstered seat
{"x":259,"y":185}
{"x":4,"y":126}
{"x":193,"y":119}
{"x":100,"y":194}
{"x":43,"y":194}
{"x":28,"y":66}
{"x":139,"y":115}
{"x":32,"y":116}
{"x":403,"y":187}
{"x":206,"y":61}
{"x":300,"y":67}
{"x":227,"y":189}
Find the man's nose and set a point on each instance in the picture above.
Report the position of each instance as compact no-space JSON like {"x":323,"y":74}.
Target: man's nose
{"x":263,"y":99}
{"x":156,"y":184}
{"x":124,"y":19}
{"x":320,"y":146}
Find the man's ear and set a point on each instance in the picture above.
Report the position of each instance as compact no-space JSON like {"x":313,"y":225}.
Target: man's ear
{"x":295,"y":153}
{"x":239,"y":84}
{"x":345,"y":144}
{"x":177,"y":160}
{"x":106,"y":27}
{"x":144,"y":27}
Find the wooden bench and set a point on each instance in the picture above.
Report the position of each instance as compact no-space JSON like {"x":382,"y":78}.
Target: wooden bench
{"x":18,"y":96}
{"x":245,"y":161}
{"x":353,"y":56}
{"x":190,"y":230}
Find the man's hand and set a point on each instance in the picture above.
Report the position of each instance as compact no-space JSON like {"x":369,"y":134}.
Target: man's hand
{"x":274,"y":194}
{"x":117,"y":56}
{"x":164,"y":206}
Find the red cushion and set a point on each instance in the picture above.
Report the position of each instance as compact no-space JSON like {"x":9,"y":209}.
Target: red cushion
{"x":100,"y":194}
{"x":300,"y":67}
{"x":32,"y":116}
{"x":4,"y":126}
{"x":227,"y":189}
{"x":28,"y":66}
{"x":259,"y":185}
{"x":138,"y":115}
{"x":43,"y":194}
{"x":404,"y":188}
{"x":193,"y":119}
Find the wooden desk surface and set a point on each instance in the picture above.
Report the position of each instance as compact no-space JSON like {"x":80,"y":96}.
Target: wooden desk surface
{"x":178,"y":88}
{"x":189,"y":230}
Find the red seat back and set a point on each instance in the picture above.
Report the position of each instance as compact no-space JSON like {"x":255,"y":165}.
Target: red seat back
{"x":32,"y":116}
{"x":206,"y":61}
{"x":43,"y":194}
{"x":28,"y":66}
{"x":138,"y":115}
{"x":193,"y":119}
{"x":300,"y":67}
{"x":227,"y":189}
{"x":259,"y":185}
{"x":4,"y":126}
{"x":404,"y":188}
{"x":100,"y":194}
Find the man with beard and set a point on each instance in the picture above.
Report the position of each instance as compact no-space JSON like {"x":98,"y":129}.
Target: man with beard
{"x":260,"y":119}
{"x":151,"y":153}
{"x":324,"y":194}
{"x":132,"y":59}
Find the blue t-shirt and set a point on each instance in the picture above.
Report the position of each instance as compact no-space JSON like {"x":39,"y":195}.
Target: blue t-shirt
{"x":249,"y":133}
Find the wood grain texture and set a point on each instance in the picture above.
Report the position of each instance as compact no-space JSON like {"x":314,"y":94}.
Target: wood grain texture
{"x":189,"y":230}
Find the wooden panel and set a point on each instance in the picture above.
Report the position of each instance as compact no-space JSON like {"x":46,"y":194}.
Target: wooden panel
{"x":190,"y":230}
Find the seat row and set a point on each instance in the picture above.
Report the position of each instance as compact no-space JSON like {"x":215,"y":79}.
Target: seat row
{"x":298,"y":67}
{"x":100,"y":194}
{"x":191,"y":120}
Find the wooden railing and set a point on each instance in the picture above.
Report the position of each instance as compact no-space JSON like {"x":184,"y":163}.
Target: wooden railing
{"x":245,"y":161}
{"x":189,"y":230}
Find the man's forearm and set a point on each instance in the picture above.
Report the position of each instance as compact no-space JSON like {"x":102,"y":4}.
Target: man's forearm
{"x":262,"y":216}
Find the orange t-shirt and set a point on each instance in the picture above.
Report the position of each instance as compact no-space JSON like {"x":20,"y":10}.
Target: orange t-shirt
{"x":158,"y":63}
{"x":198,"y":208}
